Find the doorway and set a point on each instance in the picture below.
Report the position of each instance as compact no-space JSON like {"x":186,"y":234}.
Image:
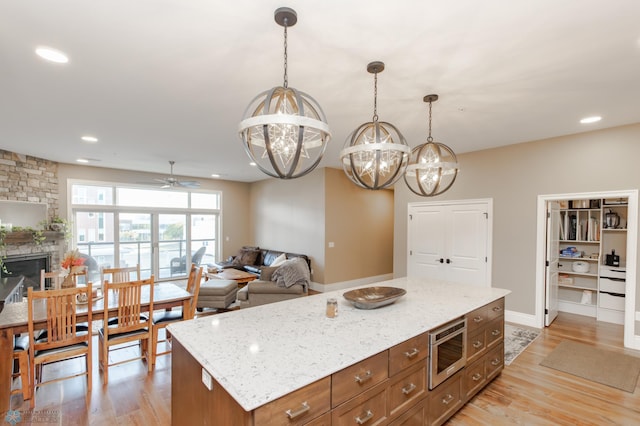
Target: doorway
{"x":544,"y":303}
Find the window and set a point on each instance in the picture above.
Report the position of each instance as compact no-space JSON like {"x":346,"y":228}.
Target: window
{"x":160,"y":230}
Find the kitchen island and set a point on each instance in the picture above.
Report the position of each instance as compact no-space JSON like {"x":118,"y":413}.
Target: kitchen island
{"x":251,"y":366}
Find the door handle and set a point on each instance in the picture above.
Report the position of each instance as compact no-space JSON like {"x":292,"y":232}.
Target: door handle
{"x":449,"y":261}
{"x":441,"y":260}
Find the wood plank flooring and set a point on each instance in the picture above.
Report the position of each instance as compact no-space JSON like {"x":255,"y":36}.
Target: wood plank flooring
{"x":524,"y":394}
{"x":529,"y":394}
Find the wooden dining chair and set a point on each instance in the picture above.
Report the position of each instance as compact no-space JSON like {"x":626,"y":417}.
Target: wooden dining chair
{"x":130,"y":325}
{"x":55,"y":280}
{"x":162,"y":319}
{"x":62,"y":340}
{"x":120,"y":275}
{"x":21,"y":358}
{"x":57,"y":277}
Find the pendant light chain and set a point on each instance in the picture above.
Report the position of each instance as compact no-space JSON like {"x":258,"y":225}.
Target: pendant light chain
{"x":430,"y":139}
{"x":286,"y":77}
{"x":375,"y":98}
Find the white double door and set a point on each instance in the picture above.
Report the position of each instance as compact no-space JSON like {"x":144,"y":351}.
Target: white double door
{"x":450,"y":241}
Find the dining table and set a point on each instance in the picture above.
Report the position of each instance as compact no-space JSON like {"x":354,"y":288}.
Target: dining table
{"x":14,"y":320}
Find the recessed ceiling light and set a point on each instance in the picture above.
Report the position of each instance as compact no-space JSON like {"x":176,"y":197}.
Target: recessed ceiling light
{"x":252,"y":164}
{"x":52,"y":55}
{"x":215,"y":175}
{"x":91,"y":139}
{"x":82,"y":160}
{"x":593,"y":119}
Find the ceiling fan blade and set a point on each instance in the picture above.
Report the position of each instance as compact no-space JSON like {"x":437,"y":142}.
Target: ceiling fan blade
{"x":189,"y":183}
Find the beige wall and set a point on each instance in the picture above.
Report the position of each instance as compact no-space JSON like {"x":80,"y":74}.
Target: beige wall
{"x":514,"y":176}
{"x":288,"y":215}
{"x":360,"y":224}
{"x":235,"y":211}
{"x":303,"y":215}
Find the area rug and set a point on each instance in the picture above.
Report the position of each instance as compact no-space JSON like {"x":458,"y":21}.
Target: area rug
{"x":598,"y":365}
{"x":516,"y":340}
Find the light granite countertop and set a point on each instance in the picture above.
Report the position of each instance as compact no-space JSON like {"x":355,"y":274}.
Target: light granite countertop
{"x":262,"y":353}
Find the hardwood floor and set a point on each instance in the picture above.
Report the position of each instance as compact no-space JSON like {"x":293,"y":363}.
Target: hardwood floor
{"x":524,"y":394}
{"x":528,"y":394}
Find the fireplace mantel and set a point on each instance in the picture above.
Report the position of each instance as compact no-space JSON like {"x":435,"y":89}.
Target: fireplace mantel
{"x":27,"y":236}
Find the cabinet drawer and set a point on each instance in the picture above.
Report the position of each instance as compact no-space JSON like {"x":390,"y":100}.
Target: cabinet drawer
{"x":476,"y":345}
{"x":408,"y":353}
{"x":496,"y":309}
{"x":407,"y":389}
{"x":413,"y":417}
{"x":347,"y":383}
{"x":369,"y":408}
{"x":477,"y":319}
{"x":444,"y":400}
{"x":473,"y":378}
{"x":323,"y":420}
{"x":494,"y":332}
{"x":298,"y":407}
{"x":494,"y":361}
{"x":612,"y":285}
{"x":610,"y":301}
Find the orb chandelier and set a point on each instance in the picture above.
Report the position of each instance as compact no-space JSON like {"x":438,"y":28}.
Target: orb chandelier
{"x":433,"y":166}
{"x":375,"y":155}
{"x":283,"y":130}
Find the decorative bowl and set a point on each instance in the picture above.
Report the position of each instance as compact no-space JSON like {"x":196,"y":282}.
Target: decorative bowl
{"x":374,"y":297}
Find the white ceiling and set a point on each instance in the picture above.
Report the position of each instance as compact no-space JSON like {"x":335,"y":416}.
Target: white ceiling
{"x":159,"y":80}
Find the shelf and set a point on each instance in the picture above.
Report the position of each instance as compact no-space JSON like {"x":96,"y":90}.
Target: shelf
{"x":614,"y":230}
{"x":27,"y":237}
{"x":582,"y":274}
{"x":588,"y":259}
{"x":576,"y":287}
{"x":579,"y":242}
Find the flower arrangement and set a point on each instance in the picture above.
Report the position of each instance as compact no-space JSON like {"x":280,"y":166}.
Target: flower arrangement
{"x":72,"y":264}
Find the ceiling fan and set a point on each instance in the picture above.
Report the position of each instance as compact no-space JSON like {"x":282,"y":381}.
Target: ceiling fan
{"x":173,"y":182}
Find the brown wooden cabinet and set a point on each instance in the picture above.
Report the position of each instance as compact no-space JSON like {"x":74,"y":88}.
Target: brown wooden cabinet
{"x":387,"y":388}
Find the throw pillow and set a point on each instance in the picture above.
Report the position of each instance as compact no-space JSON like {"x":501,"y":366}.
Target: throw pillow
{"x":245,"y":257}
{"x":279,"y":260}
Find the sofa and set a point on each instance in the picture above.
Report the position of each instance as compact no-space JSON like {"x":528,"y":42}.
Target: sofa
{"x":274,"y":283}
{"x":253,"y":259}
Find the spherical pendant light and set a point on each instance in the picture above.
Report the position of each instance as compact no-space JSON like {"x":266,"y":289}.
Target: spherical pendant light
{"x":433,"y":166}
{"x":283,"y":130}
{"x":375,"y":155}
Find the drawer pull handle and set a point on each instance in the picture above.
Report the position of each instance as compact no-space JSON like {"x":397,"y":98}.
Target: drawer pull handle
{"x":408,"y":389}
{"x":476,"y":377}
{"x":368,"y":375}
{"x":367,"y":416}
{"x":300,"y":411}
{"x":495,"y":332}
{"x":477,"y":319}
{"x":496,"y":361}
{"x":414,"y":352}
{"x":477,"y":344}
{"x":497,"y":309}
{"x":447,"y":399}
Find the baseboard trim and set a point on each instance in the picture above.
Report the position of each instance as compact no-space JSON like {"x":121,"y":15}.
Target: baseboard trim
{"x":322,"y":288}
{"x":520,"y":318}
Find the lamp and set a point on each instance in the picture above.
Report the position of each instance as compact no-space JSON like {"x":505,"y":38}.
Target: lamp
{"x":433,"y":166}
{"x":375,"y":155}
{"x":283,"y":130}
